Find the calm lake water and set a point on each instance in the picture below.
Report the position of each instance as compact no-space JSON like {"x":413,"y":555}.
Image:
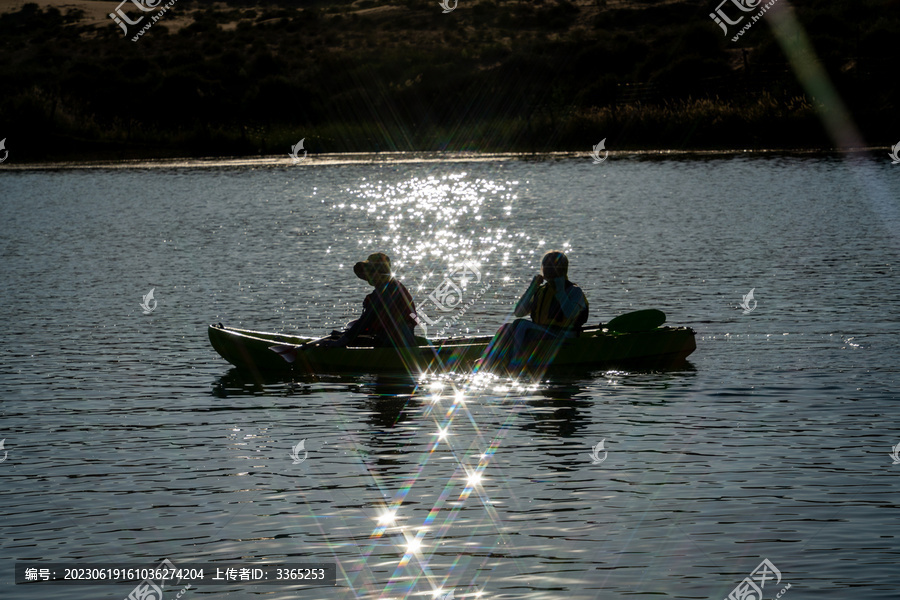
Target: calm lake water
{"x":128,"y":439}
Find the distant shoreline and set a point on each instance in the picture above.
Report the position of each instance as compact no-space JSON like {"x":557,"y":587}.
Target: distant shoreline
{"x":413,"y":157}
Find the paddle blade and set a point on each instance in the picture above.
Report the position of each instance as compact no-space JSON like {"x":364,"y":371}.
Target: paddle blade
{"x":285,"y":351}
{"x":640,"y":320}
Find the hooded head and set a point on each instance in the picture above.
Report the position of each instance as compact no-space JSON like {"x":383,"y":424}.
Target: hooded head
{"x":554,"y":265}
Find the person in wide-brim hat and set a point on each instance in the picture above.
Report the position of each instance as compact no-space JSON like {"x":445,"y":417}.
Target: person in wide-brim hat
{"x":377,"y":265}
{"x":389,"y":313}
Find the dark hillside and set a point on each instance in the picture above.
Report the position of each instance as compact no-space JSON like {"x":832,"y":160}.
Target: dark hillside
{"x":241,"y":77}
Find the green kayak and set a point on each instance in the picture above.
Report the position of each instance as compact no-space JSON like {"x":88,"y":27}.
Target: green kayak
{"x":594,"y":348}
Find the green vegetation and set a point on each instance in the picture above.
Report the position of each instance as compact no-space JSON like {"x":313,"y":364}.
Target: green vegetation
{"x":243,"y":77}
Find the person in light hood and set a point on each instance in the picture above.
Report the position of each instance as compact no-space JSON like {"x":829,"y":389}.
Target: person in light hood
{"x":558,"y":310}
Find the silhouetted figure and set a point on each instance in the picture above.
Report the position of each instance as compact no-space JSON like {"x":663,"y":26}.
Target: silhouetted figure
{"x":558,"y":310}
{"x":388,"y":312}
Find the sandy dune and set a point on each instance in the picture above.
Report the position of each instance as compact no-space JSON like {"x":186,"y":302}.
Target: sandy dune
{"x":94,"y":12}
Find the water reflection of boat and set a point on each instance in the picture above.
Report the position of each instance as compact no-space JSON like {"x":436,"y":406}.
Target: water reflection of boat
{"x":559,"y":409}
{"x":594,"y":348}
{"x":243,"y":382}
